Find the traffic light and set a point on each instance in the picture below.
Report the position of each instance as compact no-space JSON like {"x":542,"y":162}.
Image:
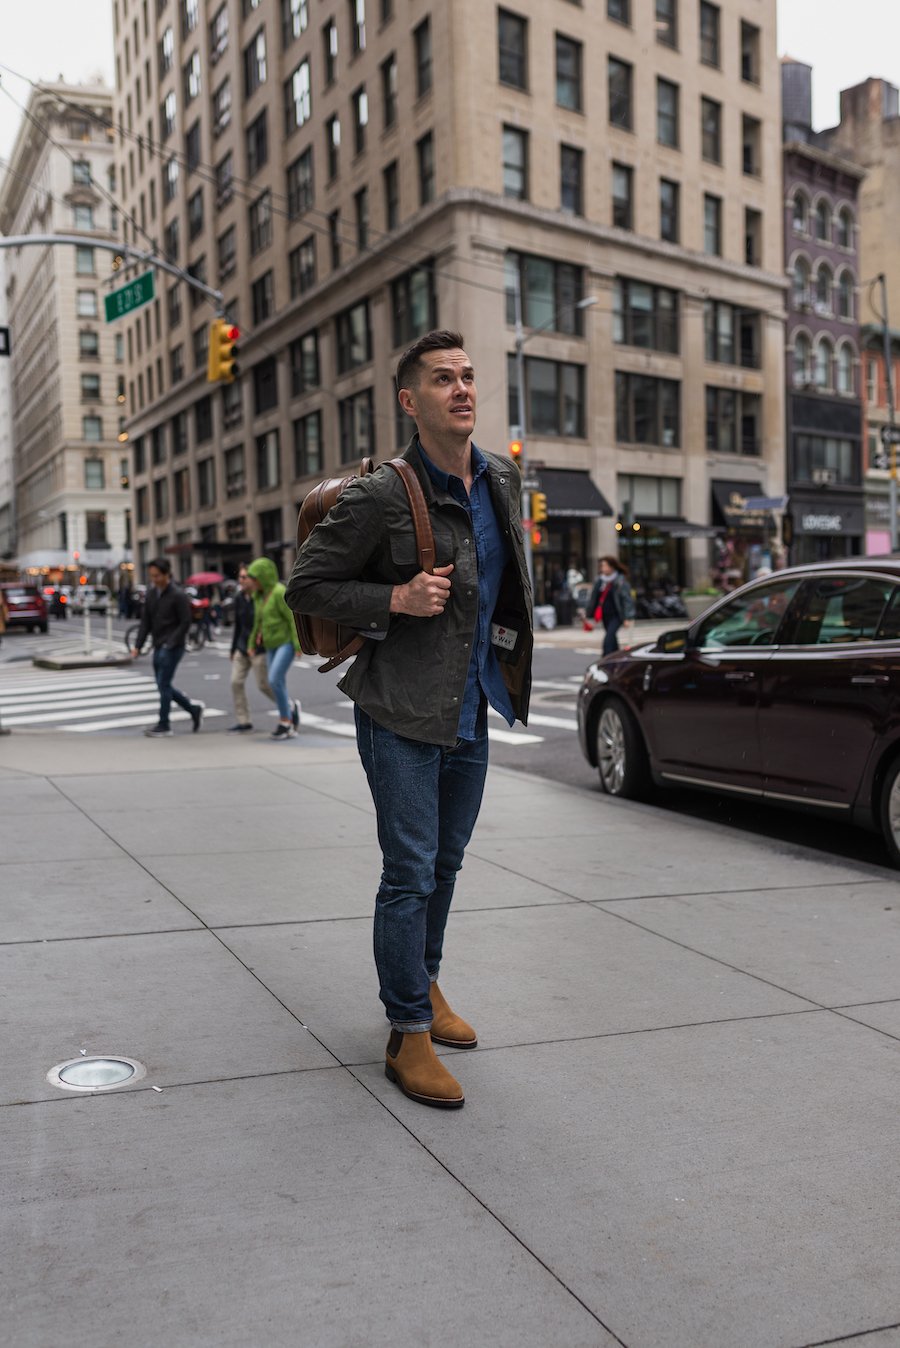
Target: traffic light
{"x":515,"y":450}
{"x":538,"y":507}
{"x":222,"y":366}
{"x":787,"y":530}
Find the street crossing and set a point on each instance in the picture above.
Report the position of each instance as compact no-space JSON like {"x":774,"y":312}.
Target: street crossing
{"x":82,"y":702}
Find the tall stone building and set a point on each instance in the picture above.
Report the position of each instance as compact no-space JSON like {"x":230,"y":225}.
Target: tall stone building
{"x":72,"y":506}
{"x":351,"y":173}
{"x":7,"y":481}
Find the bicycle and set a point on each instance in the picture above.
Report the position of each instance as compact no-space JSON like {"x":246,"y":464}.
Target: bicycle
{"x":195,"y":641}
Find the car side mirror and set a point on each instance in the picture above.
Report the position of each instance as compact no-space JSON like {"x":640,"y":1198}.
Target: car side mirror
{"x":675,"y":642}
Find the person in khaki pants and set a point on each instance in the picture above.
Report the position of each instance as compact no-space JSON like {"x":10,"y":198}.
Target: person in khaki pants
{"x":243,"y":660}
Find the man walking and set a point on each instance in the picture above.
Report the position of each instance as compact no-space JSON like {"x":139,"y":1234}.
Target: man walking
{"x":243,"y":659}
{"x":166,"y":618}
{"x":443,"y":648}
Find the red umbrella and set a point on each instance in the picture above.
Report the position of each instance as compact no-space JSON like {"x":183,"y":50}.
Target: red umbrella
{"x":205,"y":578}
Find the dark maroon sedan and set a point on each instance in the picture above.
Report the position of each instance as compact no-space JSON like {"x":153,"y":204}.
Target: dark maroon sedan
{"x":787,"y":691}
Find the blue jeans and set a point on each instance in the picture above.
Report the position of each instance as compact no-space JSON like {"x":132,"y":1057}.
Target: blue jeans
{"x":165,"y":663}
{"x":278,"y":662}
{"x":427,"y":799}
{"x":611,"y":635}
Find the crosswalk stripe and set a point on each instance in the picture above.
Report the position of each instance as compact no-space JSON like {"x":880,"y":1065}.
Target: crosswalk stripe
{"x":63,"y":705}
{"x":78,"y":714}
{"x":11,"y":688}
{"x":137,"y":721}
{"x":104,"y":690}
{"x":307,"y":718}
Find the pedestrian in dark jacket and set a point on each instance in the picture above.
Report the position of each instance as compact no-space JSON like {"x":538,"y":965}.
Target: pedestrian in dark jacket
{"x":444,"y":647}
{"x":166,"y":619}
{"x":243,"y":659}
{"x":611,"y":602}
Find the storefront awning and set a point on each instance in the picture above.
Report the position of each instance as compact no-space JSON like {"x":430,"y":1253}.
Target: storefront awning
{"x":571,"y":494}
{"x":731,"y":508}
{"x":227,"y":547}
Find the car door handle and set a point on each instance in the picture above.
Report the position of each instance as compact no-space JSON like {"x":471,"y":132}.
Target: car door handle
{"x":739,"y":676}
{"x":870,"y":679}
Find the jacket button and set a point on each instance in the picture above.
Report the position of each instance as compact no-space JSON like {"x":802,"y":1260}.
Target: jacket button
{"x":373,"y":625}
{"x":503,"y":481}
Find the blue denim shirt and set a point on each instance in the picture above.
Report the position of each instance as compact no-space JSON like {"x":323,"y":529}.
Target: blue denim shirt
{"x":491,"y":555}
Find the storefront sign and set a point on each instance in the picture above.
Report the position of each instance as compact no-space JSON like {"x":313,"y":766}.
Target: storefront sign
{"x":822,"y":524}
{"x":831,"y":518}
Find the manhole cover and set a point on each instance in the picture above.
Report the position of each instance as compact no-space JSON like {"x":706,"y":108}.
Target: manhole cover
{"x":96,"y":1073}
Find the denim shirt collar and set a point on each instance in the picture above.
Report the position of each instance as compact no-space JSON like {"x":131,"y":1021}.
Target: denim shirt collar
{"x":446,"y":481}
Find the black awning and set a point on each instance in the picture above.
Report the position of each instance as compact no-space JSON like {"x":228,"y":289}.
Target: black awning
{"x":226,"y":546}
{"x":729,"y":501}
{"x":676,"y":527}
{"x":571,"y":494}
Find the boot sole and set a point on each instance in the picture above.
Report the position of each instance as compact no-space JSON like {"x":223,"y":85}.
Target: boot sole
{"x":434,"y":1101}
{"x":454,"y":1043}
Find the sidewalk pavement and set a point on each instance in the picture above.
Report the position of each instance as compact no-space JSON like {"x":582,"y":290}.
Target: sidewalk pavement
{"x":680,"y":1124}
{"x":639,"y":634}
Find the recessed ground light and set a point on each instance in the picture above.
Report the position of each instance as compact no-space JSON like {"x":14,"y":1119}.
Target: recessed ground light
{"x":97,"y":1073}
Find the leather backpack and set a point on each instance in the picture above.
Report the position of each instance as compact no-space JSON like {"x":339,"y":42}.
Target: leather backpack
{"x":321,"y":636}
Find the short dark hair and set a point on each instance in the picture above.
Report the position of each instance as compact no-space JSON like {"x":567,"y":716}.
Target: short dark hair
{"x":162,"y":564}
{"x":438,"y":340}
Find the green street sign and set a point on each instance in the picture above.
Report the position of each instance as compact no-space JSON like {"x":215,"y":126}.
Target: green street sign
{"x":121,"y":302}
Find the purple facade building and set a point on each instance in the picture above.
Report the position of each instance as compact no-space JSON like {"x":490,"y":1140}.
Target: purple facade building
{"x":823,"y":404}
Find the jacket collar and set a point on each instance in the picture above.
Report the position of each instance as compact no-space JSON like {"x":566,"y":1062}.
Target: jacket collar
{"x":495,"y":472}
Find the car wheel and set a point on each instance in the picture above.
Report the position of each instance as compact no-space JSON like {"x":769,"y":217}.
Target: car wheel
{"x":621,"y":755}
{"x":890,"y":811}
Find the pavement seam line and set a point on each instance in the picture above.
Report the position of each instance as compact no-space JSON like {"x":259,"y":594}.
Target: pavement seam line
{"x":848,"y":1338}
{"x":64,"y":1098}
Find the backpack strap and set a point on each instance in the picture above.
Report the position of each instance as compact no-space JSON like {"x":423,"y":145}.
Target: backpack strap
{"x":417,"y":504}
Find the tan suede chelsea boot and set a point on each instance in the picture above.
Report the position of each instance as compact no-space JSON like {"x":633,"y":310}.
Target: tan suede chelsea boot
{"x":412,"y":1064}
{"x":446,"y":1026}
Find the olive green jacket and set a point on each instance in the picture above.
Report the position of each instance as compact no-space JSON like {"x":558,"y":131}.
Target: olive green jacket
{"x":413,"y":681}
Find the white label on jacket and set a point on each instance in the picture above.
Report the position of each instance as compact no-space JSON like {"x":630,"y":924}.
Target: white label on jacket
{"x":504,"y":637}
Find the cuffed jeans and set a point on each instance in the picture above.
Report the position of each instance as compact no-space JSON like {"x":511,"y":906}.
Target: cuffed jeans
{"x":278,"y":662}
{"x":165,"y":663}
{"x":611,"y":635}
{"x":427,"y":799}
{"x":241,"y":664}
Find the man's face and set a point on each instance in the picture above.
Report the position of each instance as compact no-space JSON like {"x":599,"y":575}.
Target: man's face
{"x":245,"y":582}
{"x":442,"y":400}
{"x":158,"y":578}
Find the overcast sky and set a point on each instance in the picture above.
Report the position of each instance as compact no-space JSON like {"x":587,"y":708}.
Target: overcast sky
{"x":43,"y":39}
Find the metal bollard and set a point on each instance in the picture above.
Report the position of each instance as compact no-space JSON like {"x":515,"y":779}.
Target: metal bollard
{"x":87,"y":631}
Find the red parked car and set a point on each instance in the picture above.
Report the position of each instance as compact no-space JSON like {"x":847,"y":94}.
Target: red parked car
{"x":787,"y":691}
{"x":26,"y":606}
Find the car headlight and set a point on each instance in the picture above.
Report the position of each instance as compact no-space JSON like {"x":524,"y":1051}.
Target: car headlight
{"x":595,"y":674}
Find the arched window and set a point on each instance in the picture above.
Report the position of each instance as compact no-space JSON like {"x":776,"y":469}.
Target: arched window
{"x":823,"y":221}
{"x":801,"y":212}
{"x":824,"y":357}
{"x":845,"y":294}
{"x":802,"y":359}
{"x":845,"y":228}
{"x":801,"y":282}
{"x":845,"y":379}
{"x":824,"y":285}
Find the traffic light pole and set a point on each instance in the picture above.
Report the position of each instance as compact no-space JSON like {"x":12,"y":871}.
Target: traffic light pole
{"x":123,"y":250}
{"x":889,"y":378}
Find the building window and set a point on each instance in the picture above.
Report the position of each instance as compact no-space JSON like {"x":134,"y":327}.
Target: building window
{"x":669,"y":210}
{"x":357,"y":25}
{"x":262,"y":298}
{"x":83,"y":217}
{"x":304,"y":356}
{"x":731,"y":335}
{"x":206,"y":483}
{"x":95,"y":529}
{"x":667,"y":113}
{"x":257,"y":139}
{"x":308,"y":445}
{"x":161,"y":499}
{"x":235,"y":472}
{"x":845,"y":289}
{"x":191,"y":78}
{"x":157,"y":446}
{"x":845,"y":228}
{"x":824,"y":287}
{"x":571,"y":179}
{"x":413,"y":305}
{"x":647,"y":410}
{"x":167,"y":115}
{"x":824,"y":359}
{"x":94,"y":472}
{"x":667,"y":22}
{"x":619,"y":10}
{"x":170,"y":179}
{"x":333,"y":145}
{"x":645,"y":315}
{"x":192,"y":148}
{"x":173,"y":302}
{"x":235,"y":528}
{"x":389,"y":90}
{"x":179,"y":434}
{"x":330,"y":50}
{"x":515,"y":163}
{"x":227,"y":253}
{"x":182,"y":482}
{"x":265,"y":386}
{"x":142,"y":505}
{"x":712,"y":225}
{"x":357,"y":426}
{"x":300,"y":194}
{"x":422,"y":46}
{"x":334,"y":239}
{"x":190,"y":16}
{"x":751,"y":142}
{"x":198,"y":271}
{"x":554,"y":397}
{"x":176,"y":363}
{"x":550,"y":293}
{"x":199,"y":347}
{"x":222,"y":107}
{"x":268,"y":461}
{"x":568,"y":73}
{"x":224,"y":173}
{"x":512,"y":45}
{"x":622,"y":196}
{"x":297,"y":102}
{"x":218,"y":34}
{"x":709,"y":34}
{"x":619,"y":78}
{"x":302,"y":267}
{"x":88,"y":344}
{"x":90,"y":388}
{"x":800,"y":214}
{"x":750,"y":53}
{"x":845,"y":375}
{"x":801,"y":284}
{"x":84,"y":261}
{"x":294,"y":20}
{"x":166,"y":52}
{"x":255,"y":63}
{"x":86,"y":304}
{"x":391,"y":197}
{"x":425,"y":158}
{"x":203,"y":422}
{"x":711,"y":130}
{"x":354,"y":340}
{"x":752,"y":237}
{"x":195,"y":213}
{"x":360,"y":105}
{"x":802,"y":360}
{"x":81,"y":173}
{"x":733,"y":422}
{"x":259,"y":218}
{"x":361,"y":208}
{"x":823,"y":221}
{"x":818,"y":456}
{"x":232,"y":406}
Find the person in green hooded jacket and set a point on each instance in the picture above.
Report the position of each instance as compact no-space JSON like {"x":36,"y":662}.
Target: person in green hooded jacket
{"x":274,"y":633}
